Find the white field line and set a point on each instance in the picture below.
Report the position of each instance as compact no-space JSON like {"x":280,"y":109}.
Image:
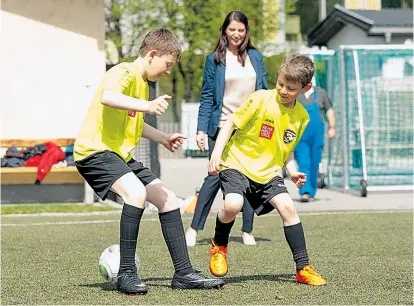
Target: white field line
{"x":57,"y":214}
{"x":190,"y":218}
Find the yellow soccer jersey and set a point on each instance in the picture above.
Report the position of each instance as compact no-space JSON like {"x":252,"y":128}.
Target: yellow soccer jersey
{"x":267,"y":132}
{"x":107,"y":128}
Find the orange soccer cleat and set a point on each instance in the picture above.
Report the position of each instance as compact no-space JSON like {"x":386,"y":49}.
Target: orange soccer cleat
{"x":218,"y":260}
{"x":309,"y":276}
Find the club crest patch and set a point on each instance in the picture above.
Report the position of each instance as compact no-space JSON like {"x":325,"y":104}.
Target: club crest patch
{"x":132,"y":113}
{"x":267,"y":131}
{"x":288,"y":136}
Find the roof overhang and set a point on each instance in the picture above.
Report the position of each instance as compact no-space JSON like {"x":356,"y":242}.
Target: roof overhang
{"x":393,"y":30}
{"x":338,"y":17}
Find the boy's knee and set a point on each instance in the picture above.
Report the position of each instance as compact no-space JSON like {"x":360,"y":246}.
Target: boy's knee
{"x":289,"y":215}
{"x":233,"y":203}
{"x":289,"y":209}
{"x":135,"y":197}
{"x":172,"y":199}
{"x":284,"y":204}
{"x":163,"y":198}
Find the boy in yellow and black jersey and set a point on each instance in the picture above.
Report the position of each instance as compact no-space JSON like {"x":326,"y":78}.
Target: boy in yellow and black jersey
{"x":112,"y":128}
{"x":267,"y":128}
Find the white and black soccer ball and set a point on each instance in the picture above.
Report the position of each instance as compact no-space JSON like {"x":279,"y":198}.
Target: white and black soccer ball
{"x":109,"y":263}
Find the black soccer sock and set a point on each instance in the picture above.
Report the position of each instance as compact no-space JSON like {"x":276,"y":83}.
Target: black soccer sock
{"x":129,"y":227}
{"x":296,"y":240}
{"x":173,"y":232}
{"x":222,"y":232}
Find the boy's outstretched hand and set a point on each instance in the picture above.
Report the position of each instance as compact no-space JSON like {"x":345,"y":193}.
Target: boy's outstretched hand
{"x":173,"y":141}
{"x":298,"y":178}
{"x":214,"y":164}
{"x":159,"y":105}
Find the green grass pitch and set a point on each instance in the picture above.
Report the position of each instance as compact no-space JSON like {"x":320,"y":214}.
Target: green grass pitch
{"x":365,"y":257}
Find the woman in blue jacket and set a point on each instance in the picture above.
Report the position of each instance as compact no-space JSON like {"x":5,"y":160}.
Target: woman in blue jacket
{"x":232,"y":72}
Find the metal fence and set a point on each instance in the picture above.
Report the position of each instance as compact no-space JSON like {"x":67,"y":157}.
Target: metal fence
{"x":371,"y":88}
{"x":147,"y":151}
{"x":374,"y":147}
{"x":188,"y":127}
{"x":170,"y":127}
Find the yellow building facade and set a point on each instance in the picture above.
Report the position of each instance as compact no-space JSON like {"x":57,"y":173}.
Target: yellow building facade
{"x":278,"y":26}
{"x":362,"y":4}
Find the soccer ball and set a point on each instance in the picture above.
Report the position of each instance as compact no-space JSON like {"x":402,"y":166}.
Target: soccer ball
{"x":109,"y":263}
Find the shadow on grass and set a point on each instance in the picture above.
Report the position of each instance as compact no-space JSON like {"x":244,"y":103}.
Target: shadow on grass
{"x":111,"y":287}
{"x":237,"y":239}
{"x":262,"y":277}
{"x":103,"y":286}
{"x":229,"y":280}
{"x":234,"y":279}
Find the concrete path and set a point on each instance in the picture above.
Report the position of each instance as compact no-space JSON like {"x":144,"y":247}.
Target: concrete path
{"x":185,"y":175}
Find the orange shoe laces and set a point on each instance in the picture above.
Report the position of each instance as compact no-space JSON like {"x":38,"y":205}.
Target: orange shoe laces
{"x":216,"y":250}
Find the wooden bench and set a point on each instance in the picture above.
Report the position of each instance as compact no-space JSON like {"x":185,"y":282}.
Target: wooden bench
{"x":27,"y":176}
{"x":59,"y":177}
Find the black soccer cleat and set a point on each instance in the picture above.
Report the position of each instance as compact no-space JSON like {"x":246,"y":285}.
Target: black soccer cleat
{"x":195,"y":280}
{"x":131,"y":284}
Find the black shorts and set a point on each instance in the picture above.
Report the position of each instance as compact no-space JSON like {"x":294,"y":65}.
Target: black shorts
{"x":102,"y":169}
{"x":258,"y":195}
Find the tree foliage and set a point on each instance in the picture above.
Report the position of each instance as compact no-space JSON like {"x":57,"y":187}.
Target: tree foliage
{"x":126,"y":23}
{"x":197,"y":24}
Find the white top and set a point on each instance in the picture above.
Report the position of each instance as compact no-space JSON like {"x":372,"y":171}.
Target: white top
{"x":309,"y":92}
{"x":240,"y":82}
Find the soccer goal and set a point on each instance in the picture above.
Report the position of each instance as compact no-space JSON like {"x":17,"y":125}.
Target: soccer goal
{"x":374,"y":147}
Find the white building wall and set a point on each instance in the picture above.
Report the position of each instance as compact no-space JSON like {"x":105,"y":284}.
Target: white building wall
{"x":352,"y":35}
{"x":52,"y":52}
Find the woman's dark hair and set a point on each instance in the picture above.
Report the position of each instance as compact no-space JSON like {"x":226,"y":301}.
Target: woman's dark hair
{"x":220,"y":50}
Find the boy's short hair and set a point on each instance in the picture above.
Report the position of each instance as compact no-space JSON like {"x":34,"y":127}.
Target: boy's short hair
{"x":162,"y":40}
{"x":298,"y":68}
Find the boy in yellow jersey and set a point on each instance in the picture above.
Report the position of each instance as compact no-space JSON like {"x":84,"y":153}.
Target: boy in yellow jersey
{"x":112,"y":128}
{"x":268,"y":127}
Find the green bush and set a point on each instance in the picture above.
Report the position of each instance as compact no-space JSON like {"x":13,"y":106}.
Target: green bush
{"x":272,"y":64}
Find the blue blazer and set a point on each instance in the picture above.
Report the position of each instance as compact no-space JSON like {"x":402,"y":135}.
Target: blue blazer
{"x":213,"y":90}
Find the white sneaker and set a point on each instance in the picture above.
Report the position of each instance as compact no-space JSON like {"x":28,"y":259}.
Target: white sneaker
{"x":191,"y":237}
{"x":248,"y":239}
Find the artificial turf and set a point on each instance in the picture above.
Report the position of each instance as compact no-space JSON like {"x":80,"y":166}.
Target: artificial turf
{"x":367,"y":258}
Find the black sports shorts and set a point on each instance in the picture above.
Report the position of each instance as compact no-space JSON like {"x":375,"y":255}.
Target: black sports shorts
{"x":258,"y":195}
{"x":102,"y":169}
